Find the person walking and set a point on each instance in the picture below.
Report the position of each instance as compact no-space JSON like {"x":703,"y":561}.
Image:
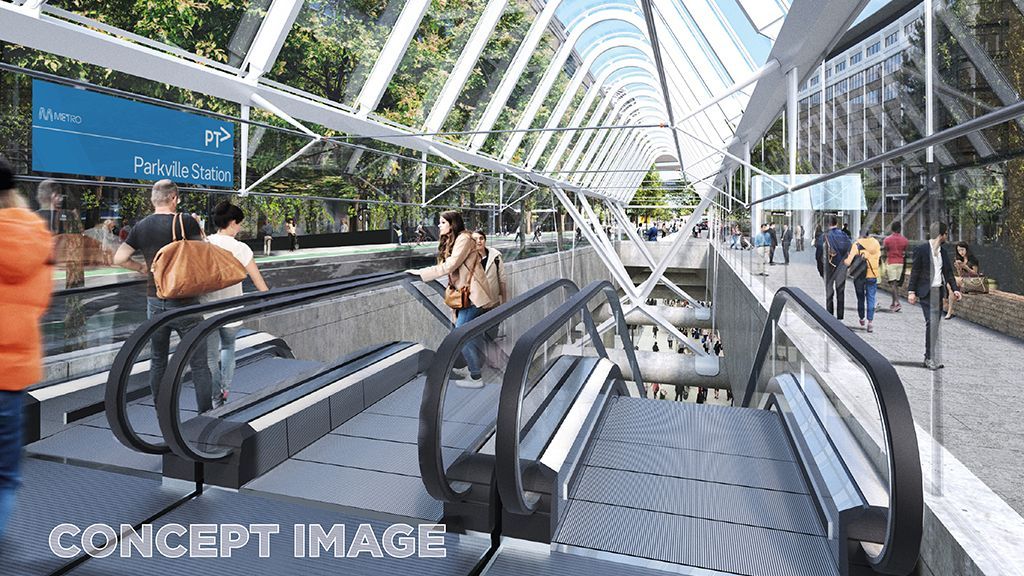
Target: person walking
{"x":494,"y":268}
{"x":774,"y":243}
{"x":268,"y":237}
{"x":25,"y":287}
{"x":865,"y":275}
{"x":293,"y":237}
{"x":150,"y":235}
{"x":221,"y":345}
{"x":799,"y":237}
{"x":787,"y":240}
{"x":931,"y":272}
{"x":835,"y":247}
{"x":895,"y":262}
{"x":819,"y":250}
{"x":458,"y":259}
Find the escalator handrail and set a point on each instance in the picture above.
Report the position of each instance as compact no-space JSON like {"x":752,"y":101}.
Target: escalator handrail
{"x":900,"y":551}
{"x":168,"y":408}
{"x":508,"y":471}
{"x":116,"y":395}
{"x":432,"y":469}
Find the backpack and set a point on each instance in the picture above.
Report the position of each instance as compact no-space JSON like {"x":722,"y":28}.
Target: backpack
{"x":858,"y":268}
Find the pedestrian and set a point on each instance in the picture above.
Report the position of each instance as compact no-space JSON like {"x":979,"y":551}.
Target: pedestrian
{"x":895,"y":262}
{"x":537,"y":233}
{"x":25,"y":287}
{"x":965,"y":265}
{"x":836,"y":245}
{"x":655,"y":347}
{"x":458,"y":259}
{"x":221,"y":345}
{"x":865,"y":275}
{"x":494,"y":272}
{"x":150,"y":235}
{"x":799,"y":238}
{"x":931,"y":272}
{"x":268,"y":237}
{"x":293,"y":237}
{"x":398,"y":233}
{"x":787,"y":239}
{"x":762,"y":243}
{"x":773,"y":244}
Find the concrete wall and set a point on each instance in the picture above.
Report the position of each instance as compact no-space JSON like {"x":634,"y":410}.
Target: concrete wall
{"x":331,"y":328}
{"x":692,"y":256}
{"x":739,"y":318}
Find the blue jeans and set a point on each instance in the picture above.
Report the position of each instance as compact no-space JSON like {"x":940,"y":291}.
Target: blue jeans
{"x":866,"y":290}
{"x":223,"y":372}
{"x":10,"y":452}
{"x":160,"y":344}
{"x":471,"y":351}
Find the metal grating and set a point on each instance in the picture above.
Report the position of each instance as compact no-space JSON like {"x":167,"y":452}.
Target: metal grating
{"x":715,"y":429}
{"x":56,"y":493}
{"x":350,"y":487}
{"x":96,"y":446}
{"x":368,"y":454}
{"x":517,"y":559}
{"x":404,"y":429}
{"x":217,"y":506}
{"x":696,"y":542}
{"x":726,"y":503}
{"x":698,"y":465}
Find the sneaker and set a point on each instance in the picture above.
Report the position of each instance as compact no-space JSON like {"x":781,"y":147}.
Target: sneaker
{"x":220,"y":399}
{"x":861,"y":322}
{"x":472,"y":382}
{"x":870,"y":327}
{"x":459,"y":374}
{"x":932,"y":365}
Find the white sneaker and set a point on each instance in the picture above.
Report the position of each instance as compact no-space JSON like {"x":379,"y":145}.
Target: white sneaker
{"x":470,"y":383}
{"x":459,"y":374}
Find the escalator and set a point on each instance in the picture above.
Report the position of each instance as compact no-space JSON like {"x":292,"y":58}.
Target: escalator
{"x":555,"y":464}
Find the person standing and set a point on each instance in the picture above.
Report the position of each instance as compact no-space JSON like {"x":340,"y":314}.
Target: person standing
{"x":25,"y":287}
{"x":895,"y":261}
{"x":931,"y":272}
{"x":228,"y":219}
{"x":799,"y":237}
{"x":762,"y":243}
{"x":494,"y":268}
{"x":293,"y":238}
{"x":268,"y":237}
{"x":787,"y":240}
{"x":150,"y":235}
{"x":458,"y":259}
{"x":835,"y":247}
{"x":865,"y":282}
{"x":773,"y":245}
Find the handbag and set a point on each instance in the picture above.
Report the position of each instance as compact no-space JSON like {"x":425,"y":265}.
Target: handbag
{"x":456,"y":298}
{"x":972,"y":284}
{"x":187,"y":268}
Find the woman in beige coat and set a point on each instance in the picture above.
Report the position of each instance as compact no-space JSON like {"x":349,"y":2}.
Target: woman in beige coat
{"x":458,"y":259}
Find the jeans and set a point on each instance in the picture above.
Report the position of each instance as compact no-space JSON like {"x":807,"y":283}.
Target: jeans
{"x":220,"y":354}
{"x":866,"y":290}
{"x":10,"y":452}
{"x":160,"y":344}
{"x":471,"y":351}
{"x":835,"y":285}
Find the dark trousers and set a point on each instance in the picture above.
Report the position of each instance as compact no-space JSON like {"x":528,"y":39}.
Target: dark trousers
{"x":771,"y":253}
{"x":835,"y":285}
{"x":293,"y":241}
{"x":785,"y":251}
{"x":932,"y":316}
{"x":160,"y":343}
{"x":10,"y":452}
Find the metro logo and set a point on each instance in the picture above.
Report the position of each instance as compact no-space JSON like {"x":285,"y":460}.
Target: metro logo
{"x":50,"y":116}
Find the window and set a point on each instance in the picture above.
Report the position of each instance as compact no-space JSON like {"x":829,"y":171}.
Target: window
{"x":856,"y":58}
{"x":908,"y":30}
{"x":814,"y":80}
{"x":840,"y":67}
{"x":828,"y":73}
{"x":873,"y":97}
{"x":890,"y":92}
{"x":892,"y":38}
{"x":893,"y":62}
{"x":873,"y":73}
{"x":856,"y":81}
{"x":874,"y":48}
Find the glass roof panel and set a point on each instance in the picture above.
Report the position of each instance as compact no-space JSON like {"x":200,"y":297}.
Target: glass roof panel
{"x":428,"y":61}
{"x":490,"y":68}
{"x":570,"y":10}
{"x":197,"y":27}
{"x":333,"y":45}
{"x":524,"y":89}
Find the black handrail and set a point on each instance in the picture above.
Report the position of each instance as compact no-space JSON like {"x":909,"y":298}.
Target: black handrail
{"x":168,"y":408}
{"x":902,"y":546}
{"x":507,"y":467}
{"x":116,"y":398}
{"x":432,"y":470}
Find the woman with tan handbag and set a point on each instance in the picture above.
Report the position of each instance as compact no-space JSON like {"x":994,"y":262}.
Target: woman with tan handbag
{"x":468,"y":293}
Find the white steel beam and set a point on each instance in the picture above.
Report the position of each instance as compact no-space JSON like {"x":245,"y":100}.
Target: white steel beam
{"x":271,"y":35}
{"x":391,"y":56}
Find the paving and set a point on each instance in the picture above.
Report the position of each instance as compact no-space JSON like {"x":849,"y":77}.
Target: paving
{"x":981,"y":419}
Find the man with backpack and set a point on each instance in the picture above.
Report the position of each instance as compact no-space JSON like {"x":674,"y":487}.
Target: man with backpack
{"x":862,"y":264}
{"x":836,"y":246}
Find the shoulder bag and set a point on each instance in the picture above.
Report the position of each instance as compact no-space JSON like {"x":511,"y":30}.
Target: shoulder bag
{"x":188,"y":268}
{"x":457,"y":298}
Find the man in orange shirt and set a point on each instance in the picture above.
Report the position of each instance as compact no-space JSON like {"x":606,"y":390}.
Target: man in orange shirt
{"x":25,"y":285}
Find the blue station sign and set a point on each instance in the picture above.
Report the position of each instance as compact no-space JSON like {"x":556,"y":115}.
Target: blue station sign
{"x":80,"y":132}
